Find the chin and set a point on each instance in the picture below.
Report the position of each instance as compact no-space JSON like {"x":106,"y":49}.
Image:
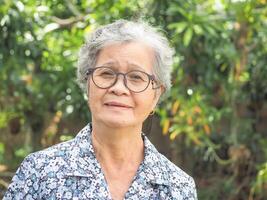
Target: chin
{"x":118,"y":122}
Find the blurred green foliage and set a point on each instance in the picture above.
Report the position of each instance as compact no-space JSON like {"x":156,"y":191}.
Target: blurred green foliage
{"x":216,"y":108}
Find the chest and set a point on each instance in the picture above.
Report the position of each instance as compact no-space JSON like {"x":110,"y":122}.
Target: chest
{"x":118,"y":185}
{"x":88,"y":188}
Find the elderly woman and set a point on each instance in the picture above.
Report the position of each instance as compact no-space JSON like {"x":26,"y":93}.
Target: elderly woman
{"x":124,"y":67}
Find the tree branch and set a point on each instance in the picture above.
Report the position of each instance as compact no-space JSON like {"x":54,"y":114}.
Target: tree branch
{"x":69,"y":22}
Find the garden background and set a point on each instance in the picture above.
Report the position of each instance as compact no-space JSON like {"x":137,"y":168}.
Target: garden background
{"x":213,"y":122}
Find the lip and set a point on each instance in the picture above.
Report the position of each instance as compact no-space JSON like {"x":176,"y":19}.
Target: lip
{"x":117,"y":104}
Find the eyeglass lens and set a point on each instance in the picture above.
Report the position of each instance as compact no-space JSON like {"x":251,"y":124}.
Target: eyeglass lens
{"x":105,"y":77}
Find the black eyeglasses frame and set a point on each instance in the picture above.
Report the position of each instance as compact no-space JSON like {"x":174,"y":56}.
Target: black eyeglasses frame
{"x":151,"y":78}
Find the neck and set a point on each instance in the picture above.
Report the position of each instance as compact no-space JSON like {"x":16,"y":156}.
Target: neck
{"x":117,"y":147}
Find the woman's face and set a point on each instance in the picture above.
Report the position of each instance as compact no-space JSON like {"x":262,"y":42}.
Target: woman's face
{"x":117,"y":106}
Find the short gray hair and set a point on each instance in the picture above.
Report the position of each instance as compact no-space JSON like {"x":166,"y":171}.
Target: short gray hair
{"x":126,"y":31}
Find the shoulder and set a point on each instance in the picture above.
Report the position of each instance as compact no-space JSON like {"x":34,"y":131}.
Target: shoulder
{"x":57,"y":152}
{"x":177,"y":173}
{"x":40,"y":164}
{"x":41,"y":169}
{"x":60,"y":153}
{"x":181,"y":184}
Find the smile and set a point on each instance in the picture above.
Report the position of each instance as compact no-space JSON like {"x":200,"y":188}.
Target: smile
{"x":117,"y":104}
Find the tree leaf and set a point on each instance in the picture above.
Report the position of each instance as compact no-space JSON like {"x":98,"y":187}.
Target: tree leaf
{"x":187,"y":36}
{"x":179,"y":27}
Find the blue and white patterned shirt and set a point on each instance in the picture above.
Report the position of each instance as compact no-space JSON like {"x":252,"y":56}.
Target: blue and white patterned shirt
{"x":70,"y":170}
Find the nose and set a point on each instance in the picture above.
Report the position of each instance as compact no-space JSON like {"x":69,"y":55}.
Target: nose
{"x":119,"y":86}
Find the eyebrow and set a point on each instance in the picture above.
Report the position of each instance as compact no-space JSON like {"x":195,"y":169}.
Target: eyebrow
{"x":131,"y":66}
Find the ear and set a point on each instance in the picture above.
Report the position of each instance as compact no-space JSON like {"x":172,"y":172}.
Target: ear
{"x":158,"y":93}
{"x":87,"y":89}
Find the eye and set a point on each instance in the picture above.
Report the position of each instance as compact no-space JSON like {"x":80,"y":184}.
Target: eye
{"x":104,"y":73}
{"x":137,"y":76}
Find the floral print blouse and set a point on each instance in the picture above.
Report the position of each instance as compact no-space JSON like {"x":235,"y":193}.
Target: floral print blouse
{"x":70,"y":170}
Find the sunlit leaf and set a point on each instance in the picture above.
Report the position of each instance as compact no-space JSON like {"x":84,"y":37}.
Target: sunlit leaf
{"x":166,"y":125}
{"x":187,"y":36}
{"x":50,"y":27}
{"x":178,"y":27}
{"x":175,"y":107}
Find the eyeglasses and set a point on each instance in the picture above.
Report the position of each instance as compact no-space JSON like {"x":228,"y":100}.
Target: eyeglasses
{"x":135,"y":80}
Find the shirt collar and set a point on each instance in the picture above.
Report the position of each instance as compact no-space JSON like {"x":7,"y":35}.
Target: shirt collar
{"x":154,"y":168}
{"x":82,"y":156}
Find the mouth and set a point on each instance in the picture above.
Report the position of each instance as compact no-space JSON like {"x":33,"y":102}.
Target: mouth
{"x":117,"y":104}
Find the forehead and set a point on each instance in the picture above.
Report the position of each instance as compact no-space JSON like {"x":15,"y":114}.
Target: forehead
{"x":127,"y":56}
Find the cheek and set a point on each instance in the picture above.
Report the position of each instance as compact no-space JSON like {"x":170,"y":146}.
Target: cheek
{"x":94,"y":96}
{"x":93,"y":91}
{"x":147,"y":103}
